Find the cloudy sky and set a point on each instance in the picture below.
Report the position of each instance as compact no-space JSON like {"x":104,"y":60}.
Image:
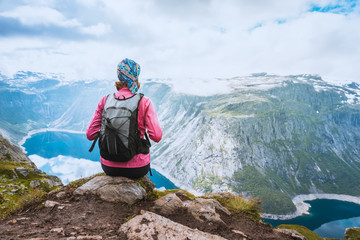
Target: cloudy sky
{"x":85,"y":39}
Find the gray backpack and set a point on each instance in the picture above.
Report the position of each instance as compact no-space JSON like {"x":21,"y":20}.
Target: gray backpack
{"x":119,"y":137}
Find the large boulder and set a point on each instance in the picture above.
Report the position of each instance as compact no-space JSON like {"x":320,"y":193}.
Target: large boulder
{"x":113,"y":189}
{"x":168,"y":204}
{"x":206,"y":210}
{"x":202,"y":209}
{"x":151,"y":226}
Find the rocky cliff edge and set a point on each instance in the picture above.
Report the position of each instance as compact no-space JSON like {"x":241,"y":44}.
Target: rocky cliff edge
{"x":36,"y":206}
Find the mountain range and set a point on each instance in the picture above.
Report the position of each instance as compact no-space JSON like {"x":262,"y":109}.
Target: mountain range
{"x":269,"y":136}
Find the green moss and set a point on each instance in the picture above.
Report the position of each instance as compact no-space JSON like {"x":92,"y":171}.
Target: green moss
{"x":8,"y":156}
{"x":156,"y":194}
{"x":249,"y":207}
{"x":310,"y":235}
{"x":352,"y":234}
{"x":20,"y":200}
{"x":79,"y":182}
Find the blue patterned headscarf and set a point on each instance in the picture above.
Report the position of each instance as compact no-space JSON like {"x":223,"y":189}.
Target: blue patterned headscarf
{"x":128,"y":72}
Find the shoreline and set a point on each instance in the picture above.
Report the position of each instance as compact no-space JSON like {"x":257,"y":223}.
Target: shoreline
{"x":302,"y":207}
{"x":32,"y":132}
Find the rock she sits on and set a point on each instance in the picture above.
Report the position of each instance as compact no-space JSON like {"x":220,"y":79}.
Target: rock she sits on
{"x":113,"y":189}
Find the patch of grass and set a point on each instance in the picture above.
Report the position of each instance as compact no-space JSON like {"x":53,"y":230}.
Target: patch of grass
{"x":250,"y":207}
{"x":352,"y":234}
{"x":18,"y":202}
{"x":156,"y":194}
{"x":310,"y":235}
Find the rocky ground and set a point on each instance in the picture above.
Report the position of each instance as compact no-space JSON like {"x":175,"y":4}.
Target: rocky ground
{"x":98,"y":210}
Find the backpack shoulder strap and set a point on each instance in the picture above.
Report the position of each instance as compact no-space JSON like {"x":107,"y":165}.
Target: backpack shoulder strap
{"x":94,"y":141}
{"x":141,"y":96}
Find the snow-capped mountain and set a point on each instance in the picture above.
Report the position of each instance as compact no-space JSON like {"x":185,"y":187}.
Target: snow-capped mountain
{"x":271,"y":136}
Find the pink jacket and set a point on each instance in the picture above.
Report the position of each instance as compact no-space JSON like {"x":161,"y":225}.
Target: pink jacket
{"x":147,"y":120}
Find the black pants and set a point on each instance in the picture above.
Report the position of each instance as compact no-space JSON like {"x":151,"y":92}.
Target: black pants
{"x":126,"y":172}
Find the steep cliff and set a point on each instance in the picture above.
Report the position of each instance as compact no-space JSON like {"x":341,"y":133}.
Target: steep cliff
{"x":20,"y":180}
{"x":273,"y":137}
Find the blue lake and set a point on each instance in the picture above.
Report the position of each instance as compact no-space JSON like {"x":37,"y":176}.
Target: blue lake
{"x":328,"y":218}
{"x":52,"y":144}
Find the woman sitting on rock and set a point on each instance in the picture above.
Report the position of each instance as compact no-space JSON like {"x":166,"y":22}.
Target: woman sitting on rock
{"x":124,"y":147}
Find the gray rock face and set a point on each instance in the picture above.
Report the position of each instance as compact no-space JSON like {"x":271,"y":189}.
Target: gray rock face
{"x":149,"y":226}
{"x":113,"y":189}
{"x":34,"y":184}
{"x":9,"y":151}
{"x":22,"y":170}
{"x":292,"y":134}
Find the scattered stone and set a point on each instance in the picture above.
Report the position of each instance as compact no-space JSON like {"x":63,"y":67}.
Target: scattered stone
{"x":22,"y":170}
{"x":11,"y":186}
{"x":182,"y":195}
{"x":71,"y":238}
{"x":151,"y":226}
{"x":12,"y":221}
{"x":34,"y":184}
{"x":59,"y":231}
{"x":48,"y":181}
{"x":113,"y":189}
{"x":240,"y":233}
{"x":168,"y":204}
{"x":13,"y":191}
{"x":51,"y":204}
{"x":97,"y":237}
{"x":205,"y":209}
{"x":60,"y":195}
{"x":15,"y":176}
{"x":55,"y":181}
{"x":292,"y":233}
{"x":37,"y":238}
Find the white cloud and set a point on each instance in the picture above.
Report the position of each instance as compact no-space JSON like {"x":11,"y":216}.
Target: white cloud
{"x":40,"y":15}
{"x":67,"y":168}
{"x":97,"y":30}
{"x":201,"y":39}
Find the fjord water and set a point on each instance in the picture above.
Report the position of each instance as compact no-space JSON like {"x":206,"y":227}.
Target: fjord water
{"x":51,"y":144}
{"x":328,"y":218}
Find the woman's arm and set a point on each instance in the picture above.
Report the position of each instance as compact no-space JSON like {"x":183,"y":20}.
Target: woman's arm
{"x":152,"y":123}
{"x":95,"y":123}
